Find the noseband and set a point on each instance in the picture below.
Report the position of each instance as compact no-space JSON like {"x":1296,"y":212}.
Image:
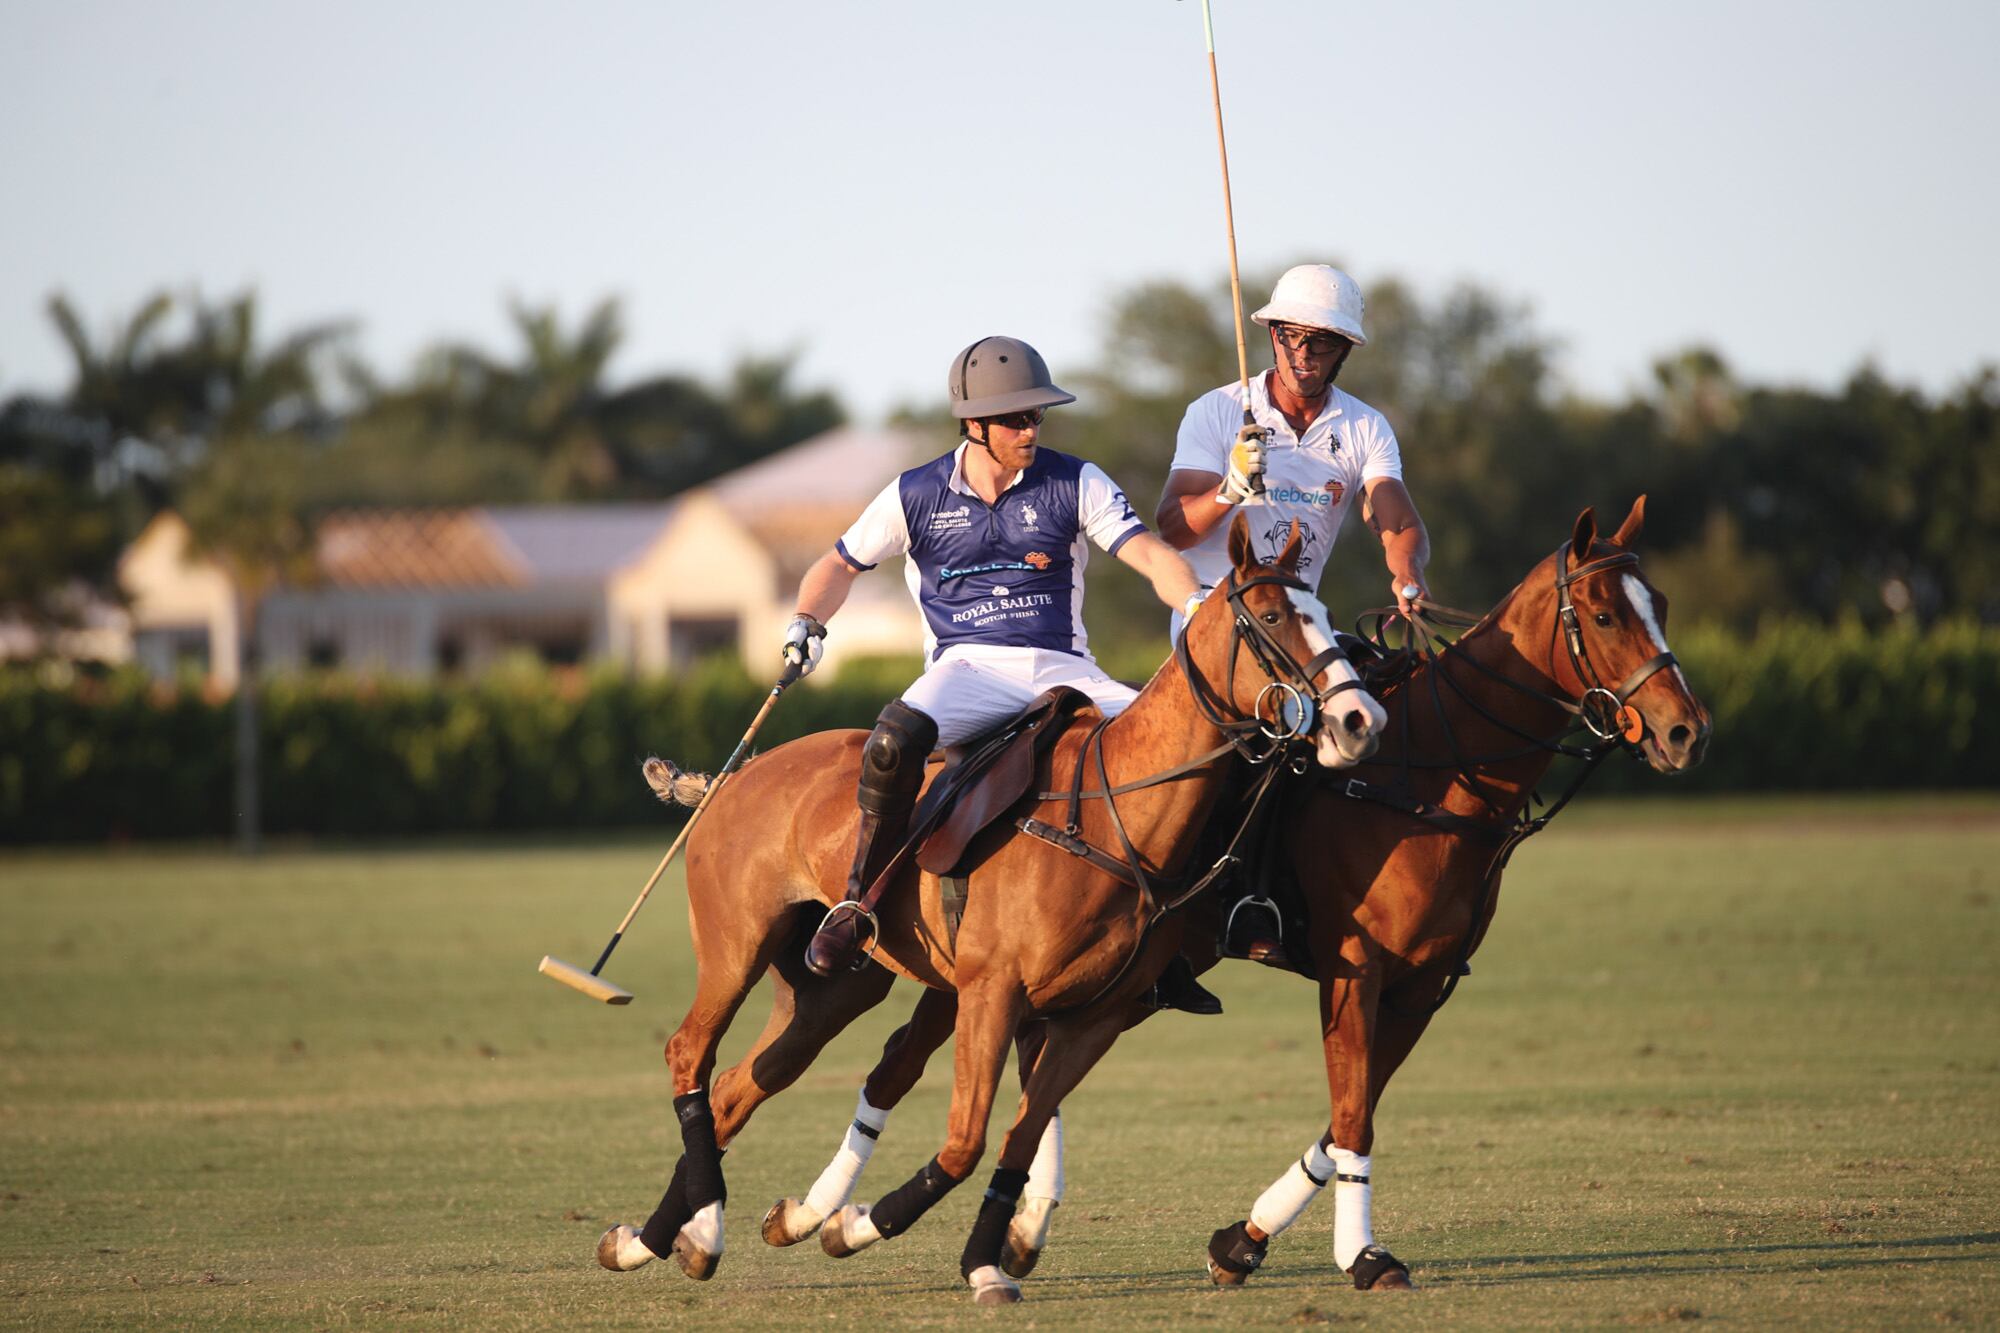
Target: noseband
{"x":1604,"y":711}
{"x":1296,"y":699}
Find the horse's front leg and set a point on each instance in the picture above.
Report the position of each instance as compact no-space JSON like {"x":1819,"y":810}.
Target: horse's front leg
{"x":994,"y":1250}
{"x":988,"y":1013}
{"x":904,"y":1056}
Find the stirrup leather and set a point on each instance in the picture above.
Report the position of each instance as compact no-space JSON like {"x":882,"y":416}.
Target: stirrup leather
{"x":869,"y":941}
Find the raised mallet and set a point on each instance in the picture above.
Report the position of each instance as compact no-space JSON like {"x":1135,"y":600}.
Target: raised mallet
{"x":1229,"y":221}
{"x":590,"y":983}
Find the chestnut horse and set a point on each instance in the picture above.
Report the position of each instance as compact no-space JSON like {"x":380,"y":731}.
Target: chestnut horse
{"x":1046,"y":933}
{"x":1399,"y":864}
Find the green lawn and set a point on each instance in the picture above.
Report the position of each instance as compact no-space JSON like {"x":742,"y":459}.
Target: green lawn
{"x":1729,"y":1061}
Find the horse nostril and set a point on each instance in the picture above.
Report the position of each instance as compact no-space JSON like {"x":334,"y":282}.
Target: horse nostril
{"x":1356,"y":722}
{"x":1677,"y":739}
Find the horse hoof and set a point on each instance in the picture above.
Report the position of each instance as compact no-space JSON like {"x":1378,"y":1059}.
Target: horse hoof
{"x":1016,"y":1261}
{"x":990,"y":1286}
{"x":1222,"y":1277}
{"x":848,"y":1232}
{"x":1027,"y":1234}
{"x":1375,"y":1269}
{"x":621,"y":1250}
{"x":696,"y":1262}
{"x":788,"y":1223}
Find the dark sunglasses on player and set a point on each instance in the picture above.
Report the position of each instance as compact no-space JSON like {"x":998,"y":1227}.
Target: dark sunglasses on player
{"x":1021,"y":420}
{"x":1314,"y":342}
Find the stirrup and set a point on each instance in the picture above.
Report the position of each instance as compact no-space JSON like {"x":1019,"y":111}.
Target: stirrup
{"x":866,"y":954}
{"x":1228,"y":947}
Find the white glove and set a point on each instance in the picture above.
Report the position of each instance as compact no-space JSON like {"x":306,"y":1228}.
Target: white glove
{"x":805,"y":642}
{"x":1246,"y":467}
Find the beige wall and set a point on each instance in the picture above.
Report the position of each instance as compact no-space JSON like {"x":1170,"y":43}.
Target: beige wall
{"x":168,"y":591}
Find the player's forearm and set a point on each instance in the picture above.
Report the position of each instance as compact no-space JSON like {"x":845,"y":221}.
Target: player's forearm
{"x":1166,"y":569}
{"x":824,"y":588}
{"x":1406,"y":552}
{"x":1191,"y":509}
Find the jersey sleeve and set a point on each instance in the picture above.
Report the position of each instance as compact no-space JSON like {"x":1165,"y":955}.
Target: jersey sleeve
{"x":1205,"y":436}
{"x":1381,"y":456}
{"x":882,"y":531}
{"x":1102,"y":510}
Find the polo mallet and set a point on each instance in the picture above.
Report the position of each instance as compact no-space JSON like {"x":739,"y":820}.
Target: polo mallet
{"x":1229,"y":221}
{"x":590,"y":983}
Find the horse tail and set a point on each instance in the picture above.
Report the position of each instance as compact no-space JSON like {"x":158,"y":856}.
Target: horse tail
{"x":672,"y":785}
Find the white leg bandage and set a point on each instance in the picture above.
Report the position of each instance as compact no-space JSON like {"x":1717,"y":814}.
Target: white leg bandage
{"x":1292,"y":1193}
{"x":1045,"y":1173}
{"x":705,"y":1229}
{"x":1353,"y":1231}
{"x":835,"y":1185}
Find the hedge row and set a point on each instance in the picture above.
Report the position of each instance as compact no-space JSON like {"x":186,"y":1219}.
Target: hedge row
{"x":1796,"y":707}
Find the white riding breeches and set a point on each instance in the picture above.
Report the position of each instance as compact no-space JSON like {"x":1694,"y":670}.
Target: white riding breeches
{"x":973,"y":688}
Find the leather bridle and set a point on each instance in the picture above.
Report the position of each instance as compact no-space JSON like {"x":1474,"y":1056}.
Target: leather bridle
{"x":1604,"y":711}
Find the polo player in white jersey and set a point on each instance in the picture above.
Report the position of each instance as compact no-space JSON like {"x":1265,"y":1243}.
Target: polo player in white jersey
{"x":995,"y":534}
{"x":1309,"y":449}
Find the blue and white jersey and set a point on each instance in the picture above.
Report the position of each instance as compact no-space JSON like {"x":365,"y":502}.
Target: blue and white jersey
{"x":1008,"y":574}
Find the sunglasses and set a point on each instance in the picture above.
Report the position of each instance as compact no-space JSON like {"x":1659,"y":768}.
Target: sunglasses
{"x":1314,"y":342}
{"x":1020,"y":420}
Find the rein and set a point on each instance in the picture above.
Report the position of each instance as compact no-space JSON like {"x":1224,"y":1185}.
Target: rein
{"x":1258,"y":742}
{"x":1603,"y":713}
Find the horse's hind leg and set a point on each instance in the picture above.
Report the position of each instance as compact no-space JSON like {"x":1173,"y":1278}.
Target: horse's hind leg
{"x":688,"y":1222}
{"x":904,"y":1055}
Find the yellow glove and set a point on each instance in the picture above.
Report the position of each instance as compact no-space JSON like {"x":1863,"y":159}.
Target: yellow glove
{"x":1246,"y":467}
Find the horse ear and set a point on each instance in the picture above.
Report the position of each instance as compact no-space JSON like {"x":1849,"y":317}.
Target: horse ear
{"x":1585,"y":535}
{"x":1635,"y":523}
{"x":1288,"y":559}
{"x":1240,"y":553}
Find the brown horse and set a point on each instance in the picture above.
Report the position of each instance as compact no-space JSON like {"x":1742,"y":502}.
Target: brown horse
{"x":1400,"y":865}
{"x":1045,"y":933}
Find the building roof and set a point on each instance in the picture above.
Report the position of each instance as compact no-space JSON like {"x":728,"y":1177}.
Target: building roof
{"x":798,"y":501}
{"x":578,"y":542}
{"x":435,"y":548}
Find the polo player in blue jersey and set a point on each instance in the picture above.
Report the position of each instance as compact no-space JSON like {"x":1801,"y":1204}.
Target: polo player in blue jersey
{"x":995,"y":534}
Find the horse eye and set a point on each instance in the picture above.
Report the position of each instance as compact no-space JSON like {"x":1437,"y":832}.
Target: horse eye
{"x":1604,"y":620}
{"x":1273,"y":617}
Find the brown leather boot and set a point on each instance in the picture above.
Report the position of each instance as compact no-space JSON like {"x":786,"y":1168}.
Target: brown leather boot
{"x":892,"y":769}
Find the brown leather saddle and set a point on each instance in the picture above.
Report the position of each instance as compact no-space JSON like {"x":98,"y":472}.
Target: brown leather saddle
{"x":995,"y":772}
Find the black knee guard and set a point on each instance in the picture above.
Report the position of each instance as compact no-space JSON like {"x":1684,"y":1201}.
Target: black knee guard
{"x":892,"y":762}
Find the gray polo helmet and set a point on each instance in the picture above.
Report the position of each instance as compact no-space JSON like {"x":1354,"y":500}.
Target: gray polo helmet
{"x":996,"y":376}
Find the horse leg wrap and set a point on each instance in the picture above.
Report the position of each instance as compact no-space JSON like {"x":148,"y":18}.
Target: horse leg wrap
{"x":704,"y":1160}
{"x":996,"y":1210}
{"x":902,"y":1206}
{"x":835,"y":1185}
{"x":1374,"y":1263}
{"x":1292,"y":1193}
{"x":672,"y":1214}
{"x":1045,"y":1173}
{"x":1233,"y":1256}
{"x":1353,"y":1229}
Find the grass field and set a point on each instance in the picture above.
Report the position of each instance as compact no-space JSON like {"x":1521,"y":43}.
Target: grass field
{"x":1731,"y":1062}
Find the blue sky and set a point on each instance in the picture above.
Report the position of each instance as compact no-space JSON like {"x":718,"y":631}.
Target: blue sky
{"x":1804,"y":186}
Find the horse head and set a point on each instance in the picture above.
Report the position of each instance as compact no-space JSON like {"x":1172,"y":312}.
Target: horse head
{"x":1608,"y":647}
{"x":1291,"y":680}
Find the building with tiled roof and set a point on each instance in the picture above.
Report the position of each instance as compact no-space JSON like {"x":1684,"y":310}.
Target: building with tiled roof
{"x":649,"y":587}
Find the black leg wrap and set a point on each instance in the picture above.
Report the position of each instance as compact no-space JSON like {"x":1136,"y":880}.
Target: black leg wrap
{"x":672,"y":1214}
{"x":704,"y":1161}
{"x":901,"y":1207}
{"x":990,"y":1230}
{"x":1232,"y":1251}
{"x":1372,"y":1263}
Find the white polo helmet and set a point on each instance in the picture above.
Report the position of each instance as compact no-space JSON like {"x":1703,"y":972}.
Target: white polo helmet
{"x":997,"y":375}
{"x":1317,"y":296}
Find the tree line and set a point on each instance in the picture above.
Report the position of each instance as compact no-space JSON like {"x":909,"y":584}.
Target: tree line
{"x":1872,"y":501}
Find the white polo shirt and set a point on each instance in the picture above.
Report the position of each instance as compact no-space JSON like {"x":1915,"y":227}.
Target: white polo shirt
{"x":1315,"y":478}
